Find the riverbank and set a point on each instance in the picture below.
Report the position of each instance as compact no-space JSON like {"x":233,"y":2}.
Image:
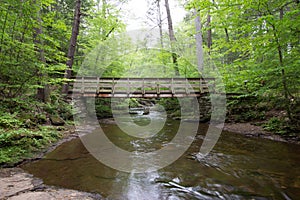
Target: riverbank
{"x":43,"y":144}
{"x":15,"y":184}
{"x":248,"y":129}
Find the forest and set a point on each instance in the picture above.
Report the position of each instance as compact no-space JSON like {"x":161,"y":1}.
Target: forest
{"x":253,"y":45}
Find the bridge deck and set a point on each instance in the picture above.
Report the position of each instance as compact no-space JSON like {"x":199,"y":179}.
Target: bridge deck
{"x":140,"y":87}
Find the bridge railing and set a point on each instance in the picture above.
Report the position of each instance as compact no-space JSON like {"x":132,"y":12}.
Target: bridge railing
{"x":141,"y":87}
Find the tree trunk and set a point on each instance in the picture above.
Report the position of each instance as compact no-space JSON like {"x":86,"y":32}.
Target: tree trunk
{"x":227,"y":34}
{"x":199,"y":42}
{"x":3,"y":29}
{"x":72,"y":46}
{"x":170,"y":23}
{"x":283,"y":76}
{"x":160,"y":24}
{"x":172,"y":37}
{"x":103,"y":30}
{"x":43,"y":93}
{"x":209,"y":33}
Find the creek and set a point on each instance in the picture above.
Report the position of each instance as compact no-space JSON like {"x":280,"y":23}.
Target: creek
{"x":238,"y":167}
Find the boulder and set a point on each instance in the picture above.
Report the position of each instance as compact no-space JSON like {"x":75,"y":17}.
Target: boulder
{"x":146,"y":111}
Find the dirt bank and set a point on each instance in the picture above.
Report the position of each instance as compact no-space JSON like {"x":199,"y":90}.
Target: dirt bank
{"x":250,"y":130}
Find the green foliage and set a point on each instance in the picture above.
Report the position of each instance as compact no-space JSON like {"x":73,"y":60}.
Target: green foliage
{"x":132,"y":102}
{"x":170,"y":104}
{"x":16,"y":145}
{"x":58,"y":107}
{"x":29,"y":48}
{"x":246,"y":108}
{"x":277,"y":126}
{"x":103,"y":108}
{"x":9,"y":121}
{"x":246,"y":42}
{"x":255,"y":47}
{"x":30,"y":113}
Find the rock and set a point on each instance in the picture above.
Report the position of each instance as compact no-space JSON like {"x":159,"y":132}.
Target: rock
{"x":158,"y":108}
{"x":57,"y":121}
{"x":133,"y":112}
{"x":13,"y":182}
{"x":176,"y":118}
{"x":55,"y":194}
{"x":146,"y":111}
{"x":32,"y":195}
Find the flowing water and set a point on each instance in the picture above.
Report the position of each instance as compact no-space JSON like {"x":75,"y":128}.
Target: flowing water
{"x":237,"y":168}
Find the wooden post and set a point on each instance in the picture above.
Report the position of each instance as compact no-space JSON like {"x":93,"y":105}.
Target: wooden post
{"x":157,"y":87}
{"x":98,"y":86}
{"x":82,"y":85}
{"x":113,"y":87}
{"x":200,"y":85}
{"x":143,"y":86}
{"x":128,"y":88}
{"x":172,"y":86}
{"x":213,"y":90}
{"x":186,"y":86}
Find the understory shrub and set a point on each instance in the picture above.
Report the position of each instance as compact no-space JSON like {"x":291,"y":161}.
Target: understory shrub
{"x":16,"y":145}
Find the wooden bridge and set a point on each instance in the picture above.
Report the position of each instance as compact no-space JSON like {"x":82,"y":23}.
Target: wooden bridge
{"x":140,"y":87}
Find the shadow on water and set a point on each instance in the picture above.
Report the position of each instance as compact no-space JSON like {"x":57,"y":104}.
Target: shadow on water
{"x":237,"y":168}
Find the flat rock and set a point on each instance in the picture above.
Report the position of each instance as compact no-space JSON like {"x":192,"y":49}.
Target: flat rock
{"x":54,"y":195}
{"x":14,"y":181}
{"x":32,"y":195}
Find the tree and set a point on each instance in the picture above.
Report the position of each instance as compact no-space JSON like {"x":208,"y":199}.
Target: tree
{"x":209,"y":32}
{"x":154,"y":14}
{"x":29,"y":52}
{"x":172,"y":36}
{"x":72,"y":46}
{"x":199,"y":40}
{"x":43,"y":91}
{"x":256,"y":45}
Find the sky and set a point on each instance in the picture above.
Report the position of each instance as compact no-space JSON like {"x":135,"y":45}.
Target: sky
{"x":135,"y":13}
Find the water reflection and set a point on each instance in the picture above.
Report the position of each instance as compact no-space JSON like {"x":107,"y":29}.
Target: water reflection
{"x":237,"y":168}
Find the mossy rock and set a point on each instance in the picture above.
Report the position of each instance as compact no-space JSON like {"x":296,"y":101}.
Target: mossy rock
{"x":57,"y":121}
